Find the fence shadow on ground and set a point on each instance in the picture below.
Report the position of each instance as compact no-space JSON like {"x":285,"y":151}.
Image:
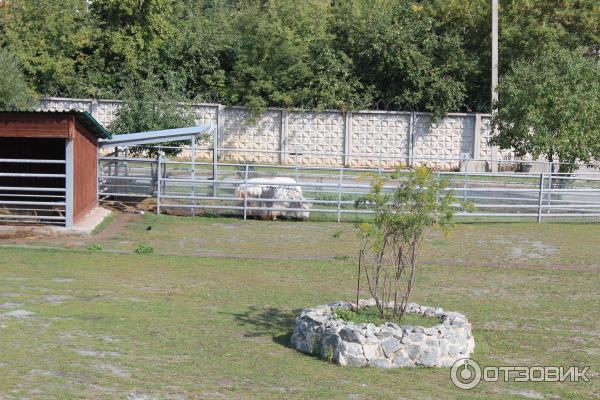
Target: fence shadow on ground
{"x":268,"y":321}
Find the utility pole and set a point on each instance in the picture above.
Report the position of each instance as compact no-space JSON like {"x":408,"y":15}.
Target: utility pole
{"x":494,"y":52}
{"x":494,"y":149}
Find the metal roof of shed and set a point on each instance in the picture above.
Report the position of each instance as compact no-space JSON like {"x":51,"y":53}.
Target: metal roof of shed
{"x":149,"y":137}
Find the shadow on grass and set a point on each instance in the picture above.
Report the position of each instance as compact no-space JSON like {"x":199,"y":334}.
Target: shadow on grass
{"x":268,"y":321}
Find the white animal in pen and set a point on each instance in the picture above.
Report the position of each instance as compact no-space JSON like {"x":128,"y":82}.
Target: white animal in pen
{"x":285,"y":191}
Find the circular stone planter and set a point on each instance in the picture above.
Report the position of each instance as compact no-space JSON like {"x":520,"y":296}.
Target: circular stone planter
{"x":386,"y":346}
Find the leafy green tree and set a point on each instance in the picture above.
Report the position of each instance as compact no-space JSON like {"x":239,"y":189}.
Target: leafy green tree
{"x":127,"y":39}
{"x":147,"y":107}
{"x":49,"y":38}
{"x":284,"y":56}
{"x":426,"y":55}
{"x":405,"y":56}
{"x":199,"y":56}
{"x":14,"y":91}
{"x":527,"y":28}
{"x":550,"y":106}
{"x":471,"y":21}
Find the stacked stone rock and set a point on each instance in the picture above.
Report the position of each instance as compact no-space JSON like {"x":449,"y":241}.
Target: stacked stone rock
{"x":386,"y":346}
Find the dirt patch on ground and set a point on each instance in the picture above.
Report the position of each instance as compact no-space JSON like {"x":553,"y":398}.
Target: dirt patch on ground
{"x":527,"y":394}
{"x":23,"y":235}
{"x":63,"y":280}
{"x":113,"y":369}
{"x":10,"y":305}
{"x":513,"y":265}
{"x":98,"y":354}
{"x":532,"y":249}
{"x":57,"y":299}
{"x":17,"y":314}
{"x":15,"y":232}
{"x":117,"y":226}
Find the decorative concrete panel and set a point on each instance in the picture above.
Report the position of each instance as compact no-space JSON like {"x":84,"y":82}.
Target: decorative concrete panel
{"x":60,"y":104}
{"x":379,"y":139}
{"x":205,"y":115}
{"x":250,"y":139}
{"x":106,"y":111}
{"x":485,"y":152}
{"x":444,"y":140}
{"x":316,"y":138}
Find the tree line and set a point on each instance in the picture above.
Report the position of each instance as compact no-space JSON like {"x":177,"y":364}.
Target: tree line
{"x":426,"y":55}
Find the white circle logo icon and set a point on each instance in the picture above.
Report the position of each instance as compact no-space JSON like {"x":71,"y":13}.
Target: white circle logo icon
{"x":465,"y":374}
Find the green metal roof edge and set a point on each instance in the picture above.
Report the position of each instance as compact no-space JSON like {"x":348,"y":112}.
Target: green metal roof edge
{"x":105,"y":134}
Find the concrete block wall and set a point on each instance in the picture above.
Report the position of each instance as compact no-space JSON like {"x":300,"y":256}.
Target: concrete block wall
{"x":358,"y":139}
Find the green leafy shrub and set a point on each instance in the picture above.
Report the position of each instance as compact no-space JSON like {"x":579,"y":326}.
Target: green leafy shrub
{"x":94,"y":247}
{"x":144,"y":249}
{"x":391,"y":240}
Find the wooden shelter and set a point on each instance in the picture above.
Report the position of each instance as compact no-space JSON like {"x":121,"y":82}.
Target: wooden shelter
{"x":48,"y":166}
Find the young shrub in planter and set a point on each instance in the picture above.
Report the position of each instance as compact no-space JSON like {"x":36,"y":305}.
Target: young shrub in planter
{"x":390,"y":243}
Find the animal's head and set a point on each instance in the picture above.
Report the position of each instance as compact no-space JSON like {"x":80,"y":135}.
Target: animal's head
{"x":304,"y":212}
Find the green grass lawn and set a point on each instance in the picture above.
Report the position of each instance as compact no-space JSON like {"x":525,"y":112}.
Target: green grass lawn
{"x":499,"y":244}
{"x":178,"y":325}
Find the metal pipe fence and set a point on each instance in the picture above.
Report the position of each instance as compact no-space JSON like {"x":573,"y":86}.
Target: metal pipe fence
{"x":32,"y":197}
{"x":185,"y":187}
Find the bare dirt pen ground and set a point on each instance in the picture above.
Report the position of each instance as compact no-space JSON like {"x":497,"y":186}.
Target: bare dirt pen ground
{"x":178,"y":324}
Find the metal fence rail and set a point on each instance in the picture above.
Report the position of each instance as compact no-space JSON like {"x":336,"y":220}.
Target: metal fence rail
{"x":195,"y":188}
{"x":32,"y":197}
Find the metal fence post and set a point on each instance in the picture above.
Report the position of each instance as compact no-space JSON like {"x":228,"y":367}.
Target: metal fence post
{"x":193,"y":145}
{"x":116,"y":162}
{"x":215,"y":158}
{"x":158,"y":183}
{"x":549,"y":193}
{"x":346,"y":157}
{"x":283,"y":136}
{"x":477,"y":137}
{"x":540,"y":194}
{"x":466,"y":181}
{"x":246,"y":194}
{"x":69,"y":183}
{"x":412,"y":139}
{"x":98,"y":173}
{"x":126,"y":153}
{"x":437,"y":195}
{"x":339,"y":205}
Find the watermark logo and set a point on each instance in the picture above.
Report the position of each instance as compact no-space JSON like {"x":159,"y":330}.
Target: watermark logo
{"x":467,"y":374}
